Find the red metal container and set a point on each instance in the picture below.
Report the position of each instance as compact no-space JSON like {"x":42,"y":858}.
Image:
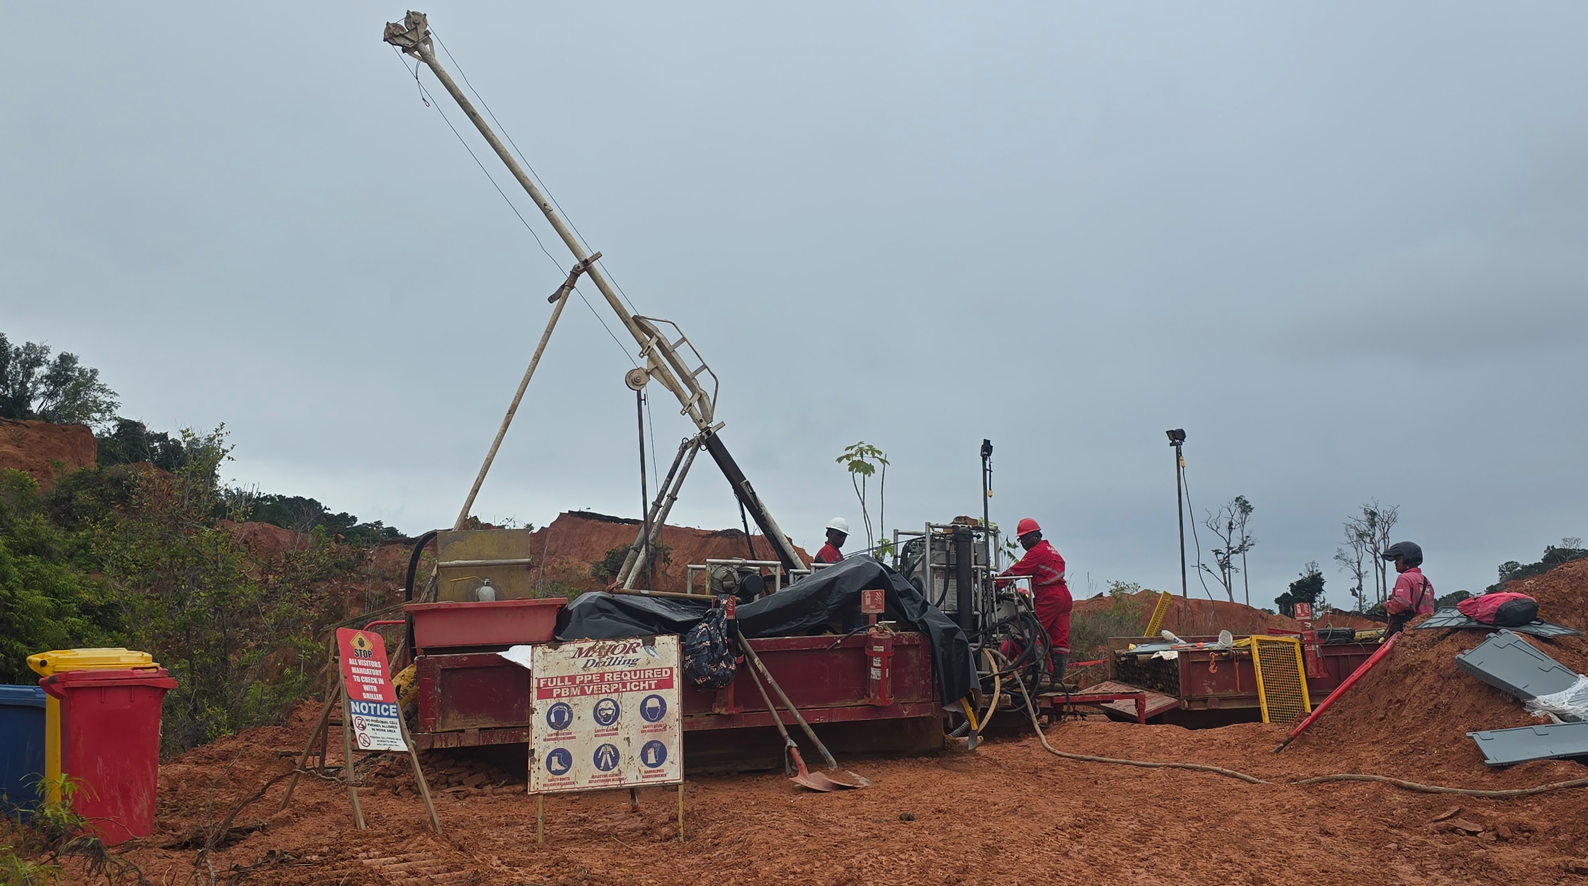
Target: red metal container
{"x":110,"y":744}
{"x":498,"y":623}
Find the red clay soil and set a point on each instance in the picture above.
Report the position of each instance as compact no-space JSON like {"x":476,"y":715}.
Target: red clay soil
{"x":41,"y":450}
{"x":576,"y":540}
{"x":1006,"y":813}
{"x":1193,"y":617}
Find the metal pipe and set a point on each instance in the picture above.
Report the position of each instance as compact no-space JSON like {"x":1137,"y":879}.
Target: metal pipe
{"x":645,"y":494}
{"x":413,"y":37}
{"x":624,"y":575}
{"x":1179,"y":507}
{"x":752,"y":503}
{"x":518,"y":397}
{"x":471,"y":564}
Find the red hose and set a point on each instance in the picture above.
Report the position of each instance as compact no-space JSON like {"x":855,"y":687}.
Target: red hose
{"x":1338,"y":691}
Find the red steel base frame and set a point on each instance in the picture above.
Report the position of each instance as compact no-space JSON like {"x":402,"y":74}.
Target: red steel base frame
{"x":480,"y":698}
{"x":1061,"y":700}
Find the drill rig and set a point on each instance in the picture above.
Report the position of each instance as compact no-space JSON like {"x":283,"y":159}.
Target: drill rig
{"x":468,"y":695}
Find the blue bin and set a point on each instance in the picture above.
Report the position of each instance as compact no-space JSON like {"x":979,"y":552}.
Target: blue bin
{"x":21,"y":746}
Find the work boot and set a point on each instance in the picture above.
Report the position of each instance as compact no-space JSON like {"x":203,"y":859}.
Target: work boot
{"x":1059,"y":661}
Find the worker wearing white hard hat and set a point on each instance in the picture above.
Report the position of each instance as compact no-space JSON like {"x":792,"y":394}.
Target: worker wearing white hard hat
{"x":837,"y":534}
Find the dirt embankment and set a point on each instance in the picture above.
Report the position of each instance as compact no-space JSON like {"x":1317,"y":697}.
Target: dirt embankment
{"x":1418,"y":705}
{"x":1189,"y":617}
{"x":577,"y":540}
{"x":41,"y":450}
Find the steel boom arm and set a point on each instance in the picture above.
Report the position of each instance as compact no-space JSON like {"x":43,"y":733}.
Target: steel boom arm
{"x":663,"y":363}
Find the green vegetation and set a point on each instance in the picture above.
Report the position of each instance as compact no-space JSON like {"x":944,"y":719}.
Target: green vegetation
{"x":144,"y":559}
{"x":1090,"y":631}
{"x":35,"y":847}
{"x":131,"y":442}
{"x":1307,"y":589}
{"x":307,"y":515}
{"x":1568,"y":550}
{"x":863,"y":461}
{"x":62,"y":390}
{"x":612,"y":563}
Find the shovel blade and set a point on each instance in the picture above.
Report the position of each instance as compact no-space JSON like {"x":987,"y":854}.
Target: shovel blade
{"x":813,"y":780}
{"x":804,"y":777}
{"x":845,"y":778}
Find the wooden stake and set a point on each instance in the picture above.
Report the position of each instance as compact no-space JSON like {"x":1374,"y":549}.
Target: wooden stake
{"x":540,"y":818}
{"x":419,"y":774}
{"x":347,"y":757}
{"x":303,"y":759}
{"x":680,"y":812}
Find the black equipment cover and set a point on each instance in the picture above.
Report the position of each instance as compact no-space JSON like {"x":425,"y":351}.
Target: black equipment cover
{"x":831,"y":594}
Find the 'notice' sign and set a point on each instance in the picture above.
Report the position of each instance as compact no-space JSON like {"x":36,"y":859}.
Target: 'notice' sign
{"x":371,"y":702}
{"x":605,"y":715}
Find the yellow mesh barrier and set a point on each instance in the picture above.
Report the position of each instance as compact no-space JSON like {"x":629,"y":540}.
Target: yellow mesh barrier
{"x":1281,"y":679}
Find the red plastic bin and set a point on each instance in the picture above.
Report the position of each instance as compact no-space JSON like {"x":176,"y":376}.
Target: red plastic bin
{"x":110,"y":744}
{"x":497,"y":623}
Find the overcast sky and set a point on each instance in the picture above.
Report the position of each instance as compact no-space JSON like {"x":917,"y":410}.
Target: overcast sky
{"x":1342,"y":245}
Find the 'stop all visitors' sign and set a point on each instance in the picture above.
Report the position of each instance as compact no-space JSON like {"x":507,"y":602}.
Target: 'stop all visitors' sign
{"x":1303,"y":612}
{"x":371,"y":701}
{"x":605,"y":715}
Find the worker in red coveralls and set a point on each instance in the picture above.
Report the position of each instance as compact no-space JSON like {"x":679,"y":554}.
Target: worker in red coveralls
{"x":837,"y":534}
{"x":1413,"y":594}
{"x":1051,"y":595}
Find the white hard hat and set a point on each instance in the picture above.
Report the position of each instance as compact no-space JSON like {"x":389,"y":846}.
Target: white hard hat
{"x":840,"y":524}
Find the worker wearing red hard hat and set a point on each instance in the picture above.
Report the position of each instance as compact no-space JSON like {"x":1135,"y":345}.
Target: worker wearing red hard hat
{"x":1052,"y":600}
{"x":837,"y":534}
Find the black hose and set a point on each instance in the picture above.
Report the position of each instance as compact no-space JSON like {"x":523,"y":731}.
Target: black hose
{"x":408,"y":586}
{"x":413,"y":562}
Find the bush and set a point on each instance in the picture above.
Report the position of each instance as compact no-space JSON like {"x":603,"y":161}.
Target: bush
{"x":45,"y":603}
{"x":1090,"y":631}
{"x":117,"y":557}
{"x":1569,"y":549}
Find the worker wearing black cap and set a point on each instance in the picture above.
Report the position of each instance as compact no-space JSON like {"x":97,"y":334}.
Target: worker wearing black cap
{"x":1413,"y":594}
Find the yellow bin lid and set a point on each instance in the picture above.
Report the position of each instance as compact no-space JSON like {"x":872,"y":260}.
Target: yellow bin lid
{"x":115,"y":659}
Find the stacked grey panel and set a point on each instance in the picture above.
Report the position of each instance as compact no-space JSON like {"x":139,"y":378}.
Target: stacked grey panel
{"x":1502,"y":747}
{"x":1453,"y":618}
{"x":1511,"y":665}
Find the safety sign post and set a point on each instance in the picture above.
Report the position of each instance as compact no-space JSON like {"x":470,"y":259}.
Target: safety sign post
{"x":372,"y":720}
{"x":605,"y":714}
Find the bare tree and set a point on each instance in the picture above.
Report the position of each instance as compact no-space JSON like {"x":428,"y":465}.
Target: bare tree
{"x":1371,"y":531}
{"x":1352,"y":557}
{"x":1229,"y":525}
{"x":1243,"y":514}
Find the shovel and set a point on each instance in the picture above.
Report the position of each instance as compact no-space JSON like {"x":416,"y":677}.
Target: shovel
{"x":803,"y":777}
{"x":846,"y":778}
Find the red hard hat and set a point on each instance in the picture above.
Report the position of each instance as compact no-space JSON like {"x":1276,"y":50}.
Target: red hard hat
{"x":1026,"y":525}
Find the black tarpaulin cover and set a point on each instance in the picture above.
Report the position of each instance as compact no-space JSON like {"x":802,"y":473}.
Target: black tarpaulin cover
{"x":832,"y":594}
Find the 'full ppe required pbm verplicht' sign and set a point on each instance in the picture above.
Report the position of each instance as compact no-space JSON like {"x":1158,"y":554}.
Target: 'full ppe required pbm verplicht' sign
{"x":605,"y":715}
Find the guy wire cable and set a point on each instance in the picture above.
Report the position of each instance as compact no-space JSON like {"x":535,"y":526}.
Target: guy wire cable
{"x":1188,"y":506}
{"x":522,"y":159}
{"x":425,"y":95}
